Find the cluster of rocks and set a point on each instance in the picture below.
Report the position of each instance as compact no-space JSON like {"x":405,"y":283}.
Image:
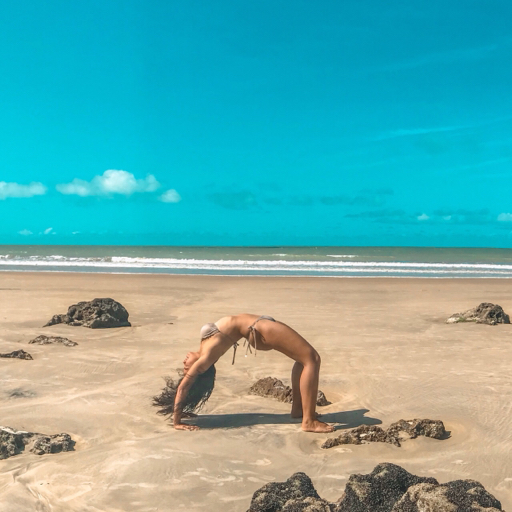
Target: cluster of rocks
{"x":48,"y":340}
{"x":96,"y":314}
{"x":17,"y":354}
{"x":13,"y":442}
{"x":402,"y":429}
{"x":275,"y":388}
{"x":388,"y":488}
{"x":485,"y":313}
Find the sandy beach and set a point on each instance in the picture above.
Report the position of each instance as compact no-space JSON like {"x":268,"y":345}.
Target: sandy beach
{"x":387,"y":354}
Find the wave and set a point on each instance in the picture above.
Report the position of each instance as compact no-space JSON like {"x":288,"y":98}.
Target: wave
{"x":243,"y":266}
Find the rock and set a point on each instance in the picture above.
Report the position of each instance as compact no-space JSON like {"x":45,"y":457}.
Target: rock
{"x":52,"y":444}
{"x":321,"y":400}
{"x":455,"y":496}
{"x":415,"y":428}
{"x":274,"y":388}
{"x":296,"y":494}
{"x":18,"y":354}
{"x":96,"y":314}
{"x":47,"y":340}
{"x":379,"y":490}
{"x":13,"y":442}
{"x":388,"y":488}
{"x":485,"y":313}
{"x":375,"y":434}
{"x":362,"y":434}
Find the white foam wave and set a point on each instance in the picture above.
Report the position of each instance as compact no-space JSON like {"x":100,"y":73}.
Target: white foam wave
{"x":260,"y":266}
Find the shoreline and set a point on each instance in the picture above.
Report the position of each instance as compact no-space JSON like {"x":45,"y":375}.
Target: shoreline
{"x":386,"y":355}
{"x":269,"y":276}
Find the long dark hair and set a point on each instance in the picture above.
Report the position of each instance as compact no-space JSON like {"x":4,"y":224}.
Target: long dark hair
{"x":197,"y":395}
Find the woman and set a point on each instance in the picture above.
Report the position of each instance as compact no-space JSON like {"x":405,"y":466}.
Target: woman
{"x":260,"y":333}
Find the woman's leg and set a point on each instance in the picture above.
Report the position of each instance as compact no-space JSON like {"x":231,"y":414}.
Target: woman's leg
{"x":296,"y":398}
{"x":309,"y":391}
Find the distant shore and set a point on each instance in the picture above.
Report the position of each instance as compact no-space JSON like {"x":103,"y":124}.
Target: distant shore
{"x":387,"y":354}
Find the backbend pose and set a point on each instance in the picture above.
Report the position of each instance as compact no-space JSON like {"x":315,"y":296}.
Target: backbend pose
{"x":260,"y":333}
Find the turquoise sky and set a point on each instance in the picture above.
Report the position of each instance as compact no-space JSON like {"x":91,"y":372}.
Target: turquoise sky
{"x":354,"y":122}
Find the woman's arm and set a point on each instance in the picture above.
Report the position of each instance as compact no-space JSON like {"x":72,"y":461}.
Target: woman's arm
{"x":200,"y":366}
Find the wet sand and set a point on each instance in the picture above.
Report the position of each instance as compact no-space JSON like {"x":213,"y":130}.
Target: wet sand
{"x":386,"y":355}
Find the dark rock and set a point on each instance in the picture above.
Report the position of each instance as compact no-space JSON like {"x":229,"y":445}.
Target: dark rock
{"x":96,"y":314}
{"x":362,"y":434}
{"x":52,"y":444}
{"x":47,"y":340}
{"x":321,"y":400}
{"x":388,"y":488}
{"x":294,"y":495}
{"x":20,"y":393}
{"x":415,"y":428}
{"x":13,"y":442}
{"x":456,"y":496}
{"x":485,"y":313}
{"x":378,"y":491}
{"x":274,"y":388}
{"x":393,"y":435}
{"x":19,"y":354}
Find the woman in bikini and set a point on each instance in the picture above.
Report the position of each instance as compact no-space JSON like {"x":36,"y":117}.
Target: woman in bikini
{"x":260,"y":333}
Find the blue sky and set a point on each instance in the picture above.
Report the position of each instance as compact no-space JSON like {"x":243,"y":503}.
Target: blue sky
{"x":256,"y":123}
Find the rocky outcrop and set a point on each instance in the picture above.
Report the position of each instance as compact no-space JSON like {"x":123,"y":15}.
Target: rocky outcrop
{"x":459,"y":495}
{"x":485,"y":313}
{"x":397,"y":432}
{"x":48,"y":340}
{"x":362,"y":434}
{"x":296,"y":494}
{"x":274,"y":388}
{"x":13,"y":442}
{"x":18,"y":354}
{"x":388,"y":488}
{"x":415,"y":428}
{"x":379,"y":490}
{"x":96,"y":314}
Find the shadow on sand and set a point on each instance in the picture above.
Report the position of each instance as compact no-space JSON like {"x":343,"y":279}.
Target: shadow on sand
{"x":344,"y":420}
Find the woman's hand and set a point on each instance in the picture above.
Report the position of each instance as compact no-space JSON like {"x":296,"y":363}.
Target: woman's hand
{"x":184,"y":426}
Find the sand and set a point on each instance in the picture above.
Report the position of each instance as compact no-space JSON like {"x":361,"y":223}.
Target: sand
{"x":387,"y":354}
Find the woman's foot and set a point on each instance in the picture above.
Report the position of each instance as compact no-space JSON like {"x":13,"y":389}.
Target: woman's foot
{"x":316,"y":426}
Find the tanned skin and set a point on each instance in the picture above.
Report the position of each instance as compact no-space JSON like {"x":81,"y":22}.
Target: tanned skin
{"x":270,"y":336}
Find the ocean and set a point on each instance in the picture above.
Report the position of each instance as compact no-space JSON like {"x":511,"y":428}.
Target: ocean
{"x":262,"y":261}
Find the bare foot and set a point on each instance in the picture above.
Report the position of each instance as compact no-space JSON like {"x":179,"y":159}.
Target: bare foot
{"x":316,"y":426}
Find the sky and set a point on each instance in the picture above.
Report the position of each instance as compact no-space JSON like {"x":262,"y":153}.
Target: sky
{"x":256,"y":123}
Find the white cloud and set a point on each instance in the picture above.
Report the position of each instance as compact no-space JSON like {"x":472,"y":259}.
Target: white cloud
{"x":110,"y":182}
{"x":423,"y":216}
{"x":17,"y":190}
{"x":47,"y":231}
{"x":171,"y":196}
{"x":25,"y":232}
{"x":505,"y":217}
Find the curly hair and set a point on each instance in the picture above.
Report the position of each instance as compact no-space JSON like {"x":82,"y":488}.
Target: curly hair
{"x":197,"y":396}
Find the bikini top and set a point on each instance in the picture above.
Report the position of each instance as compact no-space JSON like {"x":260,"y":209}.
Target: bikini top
{"x":210,"y":329}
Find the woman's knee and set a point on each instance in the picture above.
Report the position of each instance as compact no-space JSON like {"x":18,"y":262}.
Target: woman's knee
{"x":314,"y":358}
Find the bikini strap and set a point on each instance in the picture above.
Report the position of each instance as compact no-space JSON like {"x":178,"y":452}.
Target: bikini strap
{"x":252,"y":332}
{"x":235,"y":346}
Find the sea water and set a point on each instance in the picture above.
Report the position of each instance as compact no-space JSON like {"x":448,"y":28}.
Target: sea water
{"x":263,"y":261}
